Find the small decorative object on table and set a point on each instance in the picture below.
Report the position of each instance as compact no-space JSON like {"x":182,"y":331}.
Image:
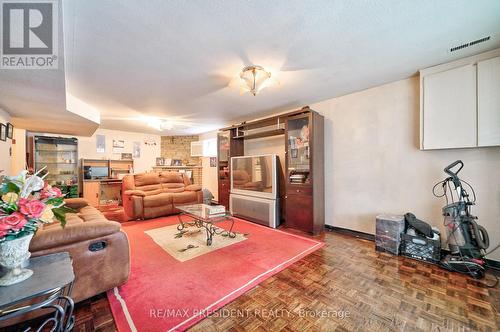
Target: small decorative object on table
{"x":27,"y":201}
{"x":160,"y":161}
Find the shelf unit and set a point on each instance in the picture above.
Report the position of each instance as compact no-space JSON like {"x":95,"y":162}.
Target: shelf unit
{"x":105,"y":192}
{"x":304,"y":200}
{"x":227,"y":147}
{"x":303,"y":187}
{"x":60,"y":157}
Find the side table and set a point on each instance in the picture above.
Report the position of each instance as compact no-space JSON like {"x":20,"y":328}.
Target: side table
{"x":49,"y":289}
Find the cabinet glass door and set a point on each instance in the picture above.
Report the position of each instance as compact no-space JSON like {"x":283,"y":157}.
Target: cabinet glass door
{"x":223,"y":147}
{"x":298,"y":154}
{"x":59,"y":156}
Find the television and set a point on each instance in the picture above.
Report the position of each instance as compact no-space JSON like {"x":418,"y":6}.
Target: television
{"x":255,"y":176}
{"x":95,"y":172}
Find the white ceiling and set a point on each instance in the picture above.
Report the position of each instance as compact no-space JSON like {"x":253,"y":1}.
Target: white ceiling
{"x":174,"y":59}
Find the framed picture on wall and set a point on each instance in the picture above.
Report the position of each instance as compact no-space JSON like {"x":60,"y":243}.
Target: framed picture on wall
{"x":136,"y":150}
{"x":100,"y":143}
{"x":160,"y":161}
{"x":10,"y":130}
{"x":3,"y":132}
{"x":176,"y":162}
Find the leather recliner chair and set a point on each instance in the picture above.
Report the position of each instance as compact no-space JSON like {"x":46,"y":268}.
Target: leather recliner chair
{"x":155,"y":194}
{"x":99,"y":249}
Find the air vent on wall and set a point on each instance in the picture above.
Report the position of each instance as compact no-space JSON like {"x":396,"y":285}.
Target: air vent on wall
{"x":472,"y":43}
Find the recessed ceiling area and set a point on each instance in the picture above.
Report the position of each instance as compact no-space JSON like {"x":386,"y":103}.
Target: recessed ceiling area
{"x":174,"y":60}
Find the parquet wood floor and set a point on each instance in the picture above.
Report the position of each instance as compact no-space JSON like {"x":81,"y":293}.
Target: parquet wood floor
{"x":346,"y":286}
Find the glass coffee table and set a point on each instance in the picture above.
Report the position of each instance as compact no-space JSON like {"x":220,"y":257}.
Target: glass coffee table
{"x":200,"y":218}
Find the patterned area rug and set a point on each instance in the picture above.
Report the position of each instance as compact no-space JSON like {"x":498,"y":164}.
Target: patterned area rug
{"x":166,"y":294}
{"x":189,"y":243}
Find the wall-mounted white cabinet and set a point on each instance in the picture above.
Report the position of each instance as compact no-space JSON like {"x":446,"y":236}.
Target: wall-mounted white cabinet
{"x":449,"y":113}
{"x":460,"y":103}
{"x":488,"y":102}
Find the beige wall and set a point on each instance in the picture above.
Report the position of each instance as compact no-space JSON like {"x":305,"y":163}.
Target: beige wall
{"x":267,"y":145}
{"x":5,"y":158}
{"x":209,"y":177}
{"x":87,"y":147}
{"x":18,"y":160}
{"x":373,"y":164}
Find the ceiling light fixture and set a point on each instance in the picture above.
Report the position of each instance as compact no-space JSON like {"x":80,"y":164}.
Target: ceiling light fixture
{"x":158,"y":124}
{"x":255,"y":78}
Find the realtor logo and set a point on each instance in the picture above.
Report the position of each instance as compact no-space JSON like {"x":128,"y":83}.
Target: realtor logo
{"x":29,"y":34}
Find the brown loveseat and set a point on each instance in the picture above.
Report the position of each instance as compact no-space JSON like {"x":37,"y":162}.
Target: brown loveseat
{"x":97,"y":246}
{"x":154,"y":194}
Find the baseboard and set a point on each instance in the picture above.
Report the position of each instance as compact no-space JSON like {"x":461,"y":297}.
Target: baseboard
{"x":370,"y":237}
{"x":359,"y":235}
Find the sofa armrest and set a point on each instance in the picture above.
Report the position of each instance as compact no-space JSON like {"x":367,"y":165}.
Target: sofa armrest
{"x":135,"y":192}
{"x":75,"y":203}
{"x":58,"y":236}
{"x":193,"y":187}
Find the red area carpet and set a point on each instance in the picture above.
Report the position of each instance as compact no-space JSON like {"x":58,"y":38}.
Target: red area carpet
{"x":164,"y":294}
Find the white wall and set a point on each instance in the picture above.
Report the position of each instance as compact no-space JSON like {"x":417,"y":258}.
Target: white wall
{"x":373,"y":164}
{"x":149,"y":153}
{"x":5,"y":157}
{"x":209,"y":178}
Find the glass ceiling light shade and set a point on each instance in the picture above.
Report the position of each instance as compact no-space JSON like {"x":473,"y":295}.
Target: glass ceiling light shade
{"x":255,"y":78}
{"x":158,"y":124}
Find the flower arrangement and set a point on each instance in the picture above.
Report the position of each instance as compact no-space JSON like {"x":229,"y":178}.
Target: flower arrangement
{"x":27,"y":202}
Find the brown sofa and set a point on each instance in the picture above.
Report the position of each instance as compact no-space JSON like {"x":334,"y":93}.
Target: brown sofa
{"x":97,"y":246}
{"x":154,"y":194}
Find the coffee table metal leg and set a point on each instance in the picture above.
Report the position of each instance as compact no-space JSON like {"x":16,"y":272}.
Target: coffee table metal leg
{"x":230,"y":233}
{"x":181,"y":226}
{"x":209,"y":227}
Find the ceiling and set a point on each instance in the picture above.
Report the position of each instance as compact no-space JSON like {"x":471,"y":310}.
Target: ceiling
{"x":175,"y":59}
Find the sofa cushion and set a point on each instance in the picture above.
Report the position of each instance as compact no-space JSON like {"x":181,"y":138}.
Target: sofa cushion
{"x":173,"y":190}
{"x":171,"y":177}
{"x":158,"y":200}
{"x":151,"y":189}
{"x":171,"y":185}
{"x":71,"y":219}
{"x":193,"y":187}
{"x":186,"y":197}
{"x":75,"y":203}
{"x":58,"y":236}
{"x":145,"y":179}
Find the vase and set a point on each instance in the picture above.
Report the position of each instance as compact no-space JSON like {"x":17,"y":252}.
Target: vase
{"x":13,"y":254}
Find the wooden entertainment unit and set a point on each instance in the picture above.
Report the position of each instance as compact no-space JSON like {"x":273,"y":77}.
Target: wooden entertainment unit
{"x":303,"y":186}
{"x":104,"y":191}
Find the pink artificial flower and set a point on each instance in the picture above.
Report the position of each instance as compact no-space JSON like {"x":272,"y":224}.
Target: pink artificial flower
{"x":31,"y":208}
{"x":15,"y":221}
{"x":56,"y":192}
{"x":49,"y":192}
{"x":4,"y":229}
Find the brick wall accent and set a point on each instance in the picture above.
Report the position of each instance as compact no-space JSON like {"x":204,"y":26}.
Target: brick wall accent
{"x":179,"y":147}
